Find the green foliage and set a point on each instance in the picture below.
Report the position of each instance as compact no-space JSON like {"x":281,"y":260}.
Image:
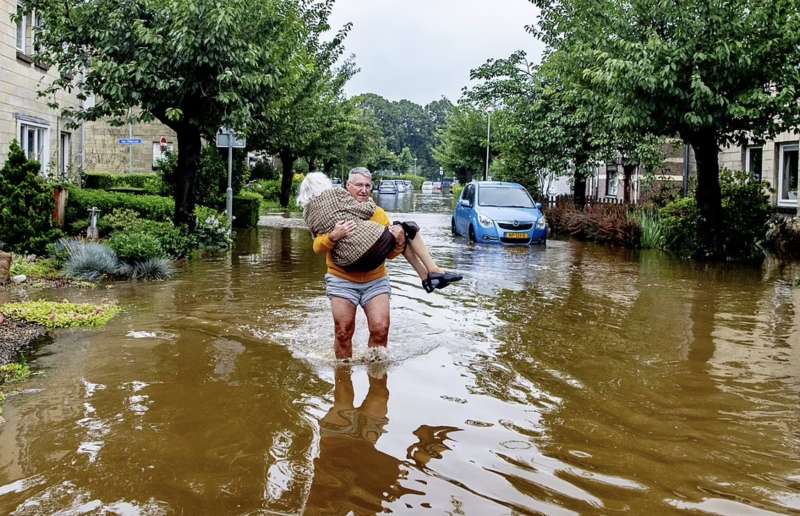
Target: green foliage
{"x":270,"y":190}
{"x":43,"y":268}
{"x":263,"y":169}
{"x":212,"y":176}
{"x":651,"y":228}
{"x":783,"y":236}
{"x":27,"y":205}
{"x":15,"y":372}
{"x":246,"y":209}
{"x":745,"y":212}
{"x":147,"y":206}
{"x":135,"y":246}
{"x":150,"y":183}
{"x":461,"y":150}
{"x":61,"y":315}
{"x":212,"y":230}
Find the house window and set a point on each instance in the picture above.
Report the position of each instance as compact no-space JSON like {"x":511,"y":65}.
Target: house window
{"x":33,"y":139}
{"x":22,"y":30}
{"x":787,"y":179}
{"x":159,"y":154}
{"x":65,"y":156}
{"x":612,"y":182}
{"x":752,"y":162}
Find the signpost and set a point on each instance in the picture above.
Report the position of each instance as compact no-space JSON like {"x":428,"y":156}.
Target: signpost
{"x":226,"y":137}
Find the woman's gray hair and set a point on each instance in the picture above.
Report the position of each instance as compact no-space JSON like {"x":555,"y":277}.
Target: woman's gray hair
{"x":314,"y":184}
{"x":359,"y":171}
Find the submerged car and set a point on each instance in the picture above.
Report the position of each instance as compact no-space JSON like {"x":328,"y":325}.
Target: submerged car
{"x":387,"y":187}
{"x":499,"y":212}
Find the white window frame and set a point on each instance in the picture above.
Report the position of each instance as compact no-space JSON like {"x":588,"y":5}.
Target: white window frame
{"x":65,"y":150}
{"x":43,"y":137}
{"x":747,"y":161}
{"x":782,"y":149}
{"x":22,"y":30}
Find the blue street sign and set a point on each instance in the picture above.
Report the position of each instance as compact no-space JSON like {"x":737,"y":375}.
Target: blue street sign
{"x":130,"y":141}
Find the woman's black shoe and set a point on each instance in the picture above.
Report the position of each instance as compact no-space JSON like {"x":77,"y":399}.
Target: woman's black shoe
{"x":442,"y":279}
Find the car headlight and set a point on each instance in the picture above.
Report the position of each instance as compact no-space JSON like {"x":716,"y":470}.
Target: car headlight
{"x":541,"y":223}
{"x":485,"y":221}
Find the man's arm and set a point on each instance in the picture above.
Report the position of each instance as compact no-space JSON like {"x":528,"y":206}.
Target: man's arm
{"x":325,"y":243}
{"x":381,"y":218}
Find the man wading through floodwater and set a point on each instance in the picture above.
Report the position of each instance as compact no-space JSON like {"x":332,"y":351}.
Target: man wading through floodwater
{"x":349,"y":286}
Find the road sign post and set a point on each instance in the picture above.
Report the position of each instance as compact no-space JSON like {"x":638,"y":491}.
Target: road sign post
{"x":227,"y":138}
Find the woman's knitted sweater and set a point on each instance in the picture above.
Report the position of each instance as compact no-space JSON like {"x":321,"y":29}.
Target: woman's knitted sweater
{"x":331,"y":206}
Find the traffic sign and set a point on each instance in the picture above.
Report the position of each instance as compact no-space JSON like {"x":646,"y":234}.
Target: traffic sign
{"x":130,"y":141}
{"x":227,"y":138}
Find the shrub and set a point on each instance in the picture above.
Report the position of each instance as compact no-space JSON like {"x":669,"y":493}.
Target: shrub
{"x":271,"y":190}
{"x":212,"y":175}
{"x":745,"y":212}
{"x":10,"y":373}
{"x":150,"y":182}
{"x":61,"y":315}
{"x":783,"y":236}
{"x":135,"y":246}
{"x":212,"y":230}
{"x":176,"y":242}
{"x":90,"y":261}
{"x":246,"y":209}
{"x":603,"y":223}
{"x":147,"y":206}
{"x":263,"y":169}
{"x":38,"y":269}
{"x":657,"y":193}
{"x":165,"y":168}
{"x":26,"y":223}
{"x":652,"y":230}
{"x":152,"y":269}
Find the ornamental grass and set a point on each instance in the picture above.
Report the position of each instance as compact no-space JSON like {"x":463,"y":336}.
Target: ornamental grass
{"x":63,"y":314}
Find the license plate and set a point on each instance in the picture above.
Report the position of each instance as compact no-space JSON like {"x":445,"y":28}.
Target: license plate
{"x":521,"y":236}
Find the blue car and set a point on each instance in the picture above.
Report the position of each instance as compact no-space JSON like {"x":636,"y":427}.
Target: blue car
{"x":493,"y":211}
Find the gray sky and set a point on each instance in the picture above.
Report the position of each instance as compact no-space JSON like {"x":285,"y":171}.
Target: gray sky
{"x":422,"y":49}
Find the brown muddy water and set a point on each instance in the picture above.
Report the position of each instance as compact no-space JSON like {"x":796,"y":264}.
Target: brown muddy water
{"x":565,"y":379}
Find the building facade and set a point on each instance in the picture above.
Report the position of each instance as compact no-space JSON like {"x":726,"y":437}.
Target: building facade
{"x":776,"y":162}
{"x":63,"y":149}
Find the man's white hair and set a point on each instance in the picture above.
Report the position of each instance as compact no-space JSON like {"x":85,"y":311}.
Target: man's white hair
{"x":314,"y":184}
{"x":359,"y":171}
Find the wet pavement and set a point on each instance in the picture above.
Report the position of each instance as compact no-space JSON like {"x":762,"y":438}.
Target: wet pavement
{"x":563,"y":379}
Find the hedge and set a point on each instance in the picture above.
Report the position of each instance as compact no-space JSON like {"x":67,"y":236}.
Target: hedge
{"x":246,"y":209}
{"x":152,"y":207}
{"x":148,"y":182}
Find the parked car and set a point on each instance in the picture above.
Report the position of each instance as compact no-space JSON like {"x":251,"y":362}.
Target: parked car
{"x":402,"y":187}
{"x":500,"y":212}
{"x":387,"y":187}
{"x":427,"y":187}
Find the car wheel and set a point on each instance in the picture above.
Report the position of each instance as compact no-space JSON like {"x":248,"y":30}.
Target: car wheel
{"x":471,"y":233}
{"x":453,"y":226}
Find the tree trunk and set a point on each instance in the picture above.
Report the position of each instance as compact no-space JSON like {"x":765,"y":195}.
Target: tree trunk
{"x":287,"y":164}
{"x":327,"y":167}
{"x":627,"y":171}
{"x":312,"y":164}
{"x":579,"y":189}
{"x":708,"y":196}
{"x":185,"y":180}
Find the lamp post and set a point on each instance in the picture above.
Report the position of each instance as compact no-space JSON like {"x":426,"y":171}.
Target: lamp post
{"x":488,"y":138}
{"x":415,"y":165}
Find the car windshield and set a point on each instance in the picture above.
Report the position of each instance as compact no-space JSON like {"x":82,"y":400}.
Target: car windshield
{"x":504,"y":197}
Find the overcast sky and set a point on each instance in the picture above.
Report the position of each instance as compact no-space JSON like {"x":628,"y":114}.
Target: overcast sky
{"x":422,"y":49}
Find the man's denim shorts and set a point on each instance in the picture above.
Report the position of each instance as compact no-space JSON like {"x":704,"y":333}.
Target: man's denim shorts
{"x":356,"y":293}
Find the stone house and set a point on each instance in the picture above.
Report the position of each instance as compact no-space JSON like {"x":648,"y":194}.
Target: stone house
{"x":44,"y":134}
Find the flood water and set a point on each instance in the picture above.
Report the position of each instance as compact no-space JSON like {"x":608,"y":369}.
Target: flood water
{"x":563,"y":379}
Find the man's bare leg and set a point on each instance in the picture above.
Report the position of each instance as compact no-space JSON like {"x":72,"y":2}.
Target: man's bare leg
{"x":344,"y":322}
{"x":377,"y":312}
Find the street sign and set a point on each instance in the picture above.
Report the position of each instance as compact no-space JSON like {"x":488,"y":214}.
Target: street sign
{"x":227,"y":138}
{"x":130,"y":141}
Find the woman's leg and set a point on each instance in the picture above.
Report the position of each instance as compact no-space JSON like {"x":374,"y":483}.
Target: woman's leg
{"x":419,"y":249}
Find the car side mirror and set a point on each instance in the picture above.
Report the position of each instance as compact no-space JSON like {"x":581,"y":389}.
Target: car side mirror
{"x":465,"y":203}
{"x":538,"y":205}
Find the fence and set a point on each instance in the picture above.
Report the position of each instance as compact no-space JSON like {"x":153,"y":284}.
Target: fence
{"x":553,"y":200}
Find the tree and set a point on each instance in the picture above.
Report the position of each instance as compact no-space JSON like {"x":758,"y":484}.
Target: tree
{"x":194,"y":65}
{"x":710,"y":72}
{"x":462,"y":147}
{"x":298,"y":124}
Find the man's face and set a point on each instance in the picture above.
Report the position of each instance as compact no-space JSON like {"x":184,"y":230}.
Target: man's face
{"x":360,"y":188}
